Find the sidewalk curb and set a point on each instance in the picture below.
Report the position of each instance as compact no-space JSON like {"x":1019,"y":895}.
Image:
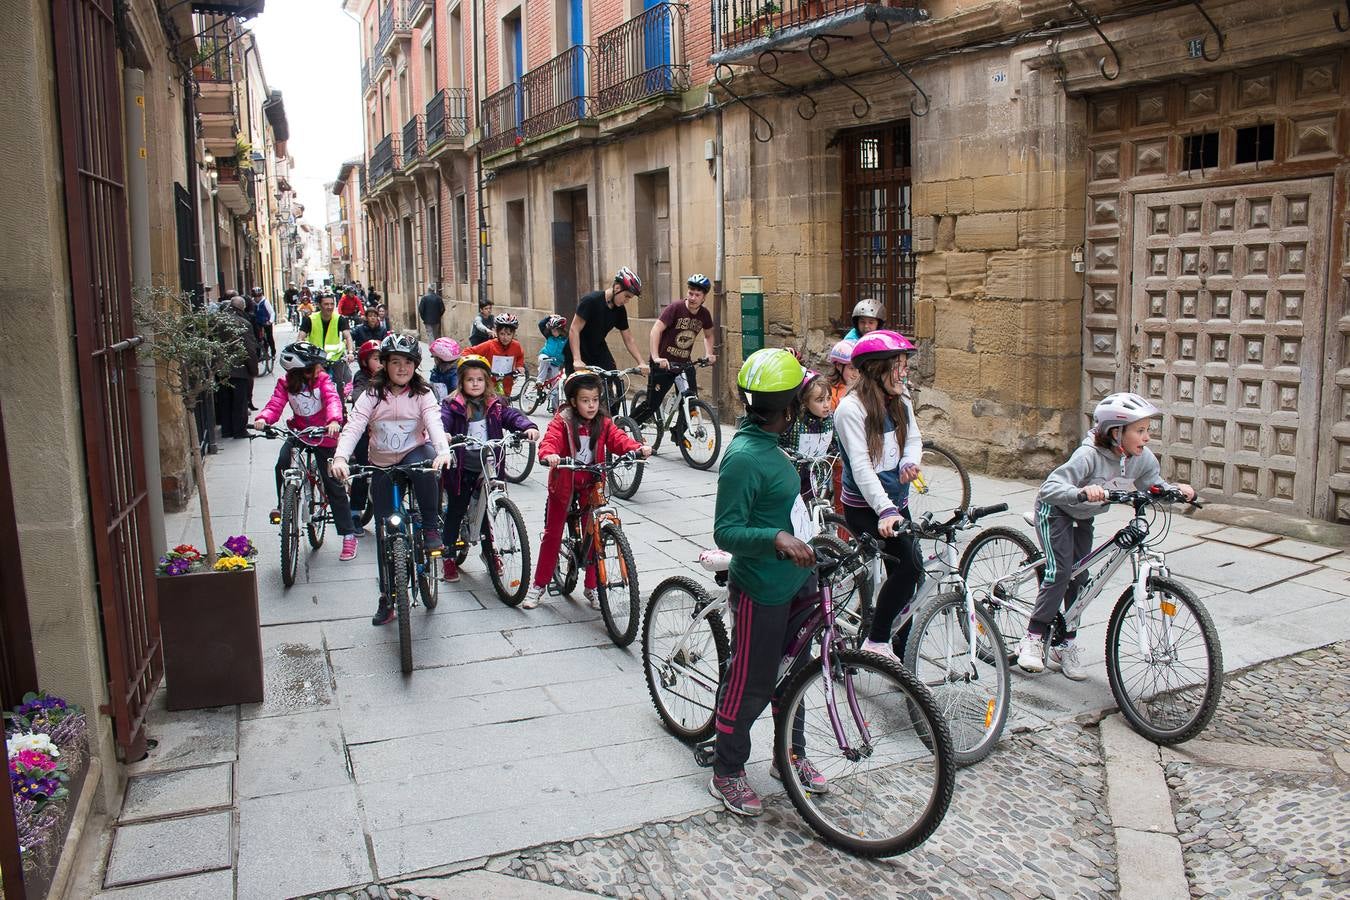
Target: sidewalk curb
{"x":1247,"y":756}
{"x":1149,"y":864}
{"x":485,"y":885}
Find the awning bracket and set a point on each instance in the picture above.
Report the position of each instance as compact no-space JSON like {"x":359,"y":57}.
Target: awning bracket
{"x":1096,"y":24}
{"x":818,"y":48}
{"x":725,"y":84}
{"x":768,"y":67}
{"x":1204,"y":48}
{"x":881,"y":45}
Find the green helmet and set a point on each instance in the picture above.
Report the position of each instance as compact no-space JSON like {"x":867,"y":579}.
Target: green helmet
{"x":769,"y":379}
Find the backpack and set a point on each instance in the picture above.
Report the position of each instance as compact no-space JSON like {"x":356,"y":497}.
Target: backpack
{"x":262,"y":312}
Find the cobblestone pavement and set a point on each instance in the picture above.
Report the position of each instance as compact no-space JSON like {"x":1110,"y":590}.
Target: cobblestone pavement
{"x":1297,"y":702}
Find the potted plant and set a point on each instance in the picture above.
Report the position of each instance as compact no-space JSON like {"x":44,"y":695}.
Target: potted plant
{"x":243,"y":152}
{"x":203,"y":68}
{"x":208,"y":602}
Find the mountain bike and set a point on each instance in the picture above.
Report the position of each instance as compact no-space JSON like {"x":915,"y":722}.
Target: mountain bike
{"x":625,"y":479}
{"x":1163,"y":659}
{"x":507,"y":555}
{"x":874,"y":730}
{"x":943,"y":484}
{"x":597,"y":538}
{"x":820,"y":477}
{"x":407,"y":568}
{"x":304,"y":502}
{"x":702,"y":440}
{"x":533,"y":392}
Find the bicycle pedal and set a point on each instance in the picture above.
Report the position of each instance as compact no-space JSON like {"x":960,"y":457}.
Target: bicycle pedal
{"x":705,"y":752}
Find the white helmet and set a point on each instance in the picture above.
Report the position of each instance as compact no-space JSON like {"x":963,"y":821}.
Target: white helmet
{"x":868,"y":307}
{"x":1122,"y":409}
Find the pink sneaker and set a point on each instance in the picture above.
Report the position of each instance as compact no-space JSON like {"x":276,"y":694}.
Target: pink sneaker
{"x":348,"y":548}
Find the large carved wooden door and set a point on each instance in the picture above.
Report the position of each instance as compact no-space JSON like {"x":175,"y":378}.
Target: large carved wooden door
{"x":1227,"y":316}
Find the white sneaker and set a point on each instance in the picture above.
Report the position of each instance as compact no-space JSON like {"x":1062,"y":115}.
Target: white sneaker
{"x":1069,"y":658}
{"x":881,"y":648}
{"x":591,"y":597}
{"x":1031,"y":654}
{"x":532,"y":596}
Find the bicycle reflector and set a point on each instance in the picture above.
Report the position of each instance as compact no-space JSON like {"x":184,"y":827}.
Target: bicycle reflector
{"x":395,"y":520}
{"x":275,"y":518}
{"x":1168,"y":607}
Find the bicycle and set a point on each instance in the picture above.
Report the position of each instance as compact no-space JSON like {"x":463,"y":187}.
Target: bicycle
{"x":820,"y":478}
{"x":602,"y":543}
{"x":623,"y":480}
{"x":1149,"y":629}
{"x":943,"y":483}
{"x":407,"y":568}
{"x":702,"y":441}
{"x":534,"y":392}
{"x":841,"y":696}
{"x":506,"y":526}
{"x":303,"y":498}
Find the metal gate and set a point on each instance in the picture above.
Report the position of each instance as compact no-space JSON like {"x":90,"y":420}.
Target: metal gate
{"x":878,"y":261}
{"x":89,"y":99}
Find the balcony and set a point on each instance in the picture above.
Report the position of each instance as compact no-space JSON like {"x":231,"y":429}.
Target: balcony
{"x":447,"y":119}
{"x":501,"y":120}
{"x":385,"y":159}
{"x":367,"y":75}
{"x":414,"y":148}
{"x":234,"y":186}
{"x":744,"y":28}
{"x":554,"y":94}
{"x":418,"y":12}
{"x":643,"y":59}
{"x":393,"y":24}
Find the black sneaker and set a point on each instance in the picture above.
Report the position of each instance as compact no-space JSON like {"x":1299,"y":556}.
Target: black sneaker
{"x":385,"y":614}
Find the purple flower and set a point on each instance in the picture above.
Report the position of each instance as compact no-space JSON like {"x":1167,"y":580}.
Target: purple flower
{"x":177,"y":567}
{"x":240,"y":545}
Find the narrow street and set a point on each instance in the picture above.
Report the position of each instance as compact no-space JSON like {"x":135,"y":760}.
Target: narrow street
{"x":524,"y":729}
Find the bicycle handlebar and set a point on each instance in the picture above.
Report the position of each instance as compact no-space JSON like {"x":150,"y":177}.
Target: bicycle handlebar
{"x":276,"y":432}
{"x":632,"y":456}
{"x":359,"y":470}
{"x":1155,"y":494}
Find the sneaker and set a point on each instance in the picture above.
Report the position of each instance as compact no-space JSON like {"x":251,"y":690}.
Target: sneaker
{"x":432,"y":539}
{"x":532,"y":596}
{"x":1031,"y":654}
{"x":449,"y":569}
{"x":274,"y":517}
{"x":357,"y":528}
{"x":881,"y":648}
{"x":807,"y":774}
{"x":1068,"y":658}
{"x":736,"y":794}
{"x":348,"y":548}
{"x":385,"y":614}
{"x":591,"y":597}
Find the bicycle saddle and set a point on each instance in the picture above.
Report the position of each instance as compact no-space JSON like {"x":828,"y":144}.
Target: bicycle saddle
{"x":715,"y":560}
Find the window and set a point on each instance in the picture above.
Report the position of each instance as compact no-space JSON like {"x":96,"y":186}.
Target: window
{"x":461,"y":239}
{"x":513,"y":48}
{"x":433,"y":245}
{"x":876,"y":230}
{"x":1256,"y":143}
{"x":404,"y":97}
{"x":429,"y":66}
{"x":1200,"y":151}
{"x":455,"y":49}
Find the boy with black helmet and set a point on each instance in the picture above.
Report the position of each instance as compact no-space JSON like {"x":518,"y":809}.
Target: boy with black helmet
{"x":672,"y":344}
{"x":599,"y":313}
{"x":756,"y":490}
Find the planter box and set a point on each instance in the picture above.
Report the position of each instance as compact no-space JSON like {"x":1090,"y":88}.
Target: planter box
{"x":212,"y":639}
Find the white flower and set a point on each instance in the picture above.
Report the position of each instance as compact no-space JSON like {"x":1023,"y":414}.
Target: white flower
{"x":39,"y":742}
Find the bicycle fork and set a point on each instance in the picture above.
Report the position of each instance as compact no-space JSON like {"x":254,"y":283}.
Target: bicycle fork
{"x":1144,"y":609}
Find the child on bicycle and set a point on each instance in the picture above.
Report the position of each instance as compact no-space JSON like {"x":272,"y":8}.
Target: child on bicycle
{"x":554,"y":330}
{"x":314,"y":403}
{"x":811,"y":433}
{"x":757,"y":488}
{"x":671,"y":343}
{"x":582,"y":431}
{"x":845,"y":374}
{"x":1113,"y":456}
{"x":400,"y":415}
{"x":444,"y":376}
{"x":475,"y":410}
{"x":368,"y":365}
{"x":503,"y":352}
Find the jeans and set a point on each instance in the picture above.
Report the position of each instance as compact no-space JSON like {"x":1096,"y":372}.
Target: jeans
{"x":425,"y":486}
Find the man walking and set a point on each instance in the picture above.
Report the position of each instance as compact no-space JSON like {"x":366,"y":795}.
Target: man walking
{"x":430,"y":309}
{"x":235,"y":424}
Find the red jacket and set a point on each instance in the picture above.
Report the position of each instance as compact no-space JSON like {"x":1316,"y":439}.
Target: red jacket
{"x":493,"y":348}
{"x":350,"y":306}
{"x":564,"y":438}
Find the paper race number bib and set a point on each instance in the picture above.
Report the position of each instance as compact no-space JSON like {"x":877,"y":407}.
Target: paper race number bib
{"x":307,"y":403}
{"x":890,"y":453}
{"x":478,"y":430}
{"x":814,"y":445}
{"x":1119,"y":483}
{"x":803,"y":526}
{"x":503,"y":365}
{"x":393,"y":435}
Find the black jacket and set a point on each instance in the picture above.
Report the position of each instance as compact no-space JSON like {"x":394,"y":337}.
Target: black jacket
{"x":430,"y":308}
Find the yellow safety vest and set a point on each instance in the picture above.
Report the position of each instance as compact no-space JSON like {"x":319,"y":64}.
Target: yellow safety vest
{"x":331,"y":339}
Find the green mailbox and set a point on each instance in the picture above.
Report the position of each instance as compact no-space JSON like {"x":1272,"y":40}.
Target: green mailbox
{"x":752,"y":314}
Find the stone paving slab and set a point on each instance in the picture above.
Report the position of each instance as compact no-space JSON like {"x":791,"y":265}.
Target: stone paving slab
{"x":275,"y":861}
{"x":1299,"y":550}
{"x":295,"y":673}
{"x":1332,"y":580}
{"x":155,"y":850}
{"x":206,"y":886}
{"x":158,"y":794}
{"x":1234,"y":567}
{"x":300,"y":752}
{"x":1241,"y":537}
{"x":189,"y":738}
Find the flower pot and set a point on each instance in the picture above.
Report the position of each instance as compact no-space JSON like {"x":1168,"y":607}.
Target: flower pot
{"x":203,"y":72}
{"x":212,"y":639}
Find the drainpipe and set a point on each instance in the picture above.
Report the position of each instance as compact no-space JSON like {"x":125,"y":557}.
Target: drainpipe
{"x":138,"y":213}
{"x":719,"y":266}
{"x":478,"y":161}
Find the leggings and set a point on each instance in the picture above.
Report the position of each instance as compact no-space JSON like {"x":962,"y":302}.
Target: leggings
{"x":555,"y":522}
{"x":1066,"y":540}
{"x":902,"y":578}
{"x":361,"y":486}
{"x":760,"y":636}
{"x":457,"y":504}
{"x":337,"y":494}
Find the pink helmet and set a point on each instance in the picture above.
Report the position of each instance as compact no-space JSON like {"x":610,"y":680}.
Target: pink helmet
{"x":841,"y":354}
{"x":445,"y":349}
{"x":881,"y":345}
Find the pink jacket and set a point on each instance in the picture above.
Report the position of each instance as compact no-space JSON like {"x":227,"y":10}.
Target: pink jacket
{"x":398,"y":424}
{"x":310,"y":408}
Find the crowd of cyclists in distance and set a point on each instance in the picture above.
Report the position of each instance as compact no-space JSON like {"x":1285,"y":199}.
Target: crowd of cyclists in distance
{"x":389,"y":413}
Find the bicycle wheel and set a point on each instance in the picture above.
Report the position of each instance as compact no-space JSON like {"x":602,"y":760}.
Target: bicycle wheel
{"x":518,"y":461}
{"x":398,"y":588}
{"x":1164,"y":662}
{"x":999,"y":571}
{"x":889,"y":787}
{"x":702,"y":436}
{"x":428,"y":585}
{"x":533,"y":396}
{"x":624,"y":479}
{"x":565,"y":570}
{"x":290,"y":533}
{"x":683,"y":682}
{"x":616,"y":585}
{"x":946,"y":485}
{"x":972,"y":692}
{"x":653,"y":430}
{"x":520,"y":392}
{"x":839,"y":529}
{"x":317,"y":500}
{"x":512,"y":550}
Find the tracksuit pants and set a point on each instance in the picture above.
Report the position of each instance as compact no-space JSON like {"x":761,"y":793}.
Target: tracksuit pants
{"x":1066,"y":540}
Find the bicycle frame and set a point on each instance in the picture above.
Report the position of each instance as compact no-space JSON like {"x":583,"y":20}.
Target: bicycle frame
{"x":489,"y":489}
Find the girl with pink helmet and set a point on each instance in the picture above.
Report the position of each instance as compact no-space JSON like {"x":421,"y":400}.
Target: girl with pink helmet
{"x":445,"y":353}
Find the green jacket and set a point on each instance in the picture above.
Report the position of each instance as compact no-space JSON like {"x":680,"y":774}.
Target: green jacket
{"x":756,"y":488}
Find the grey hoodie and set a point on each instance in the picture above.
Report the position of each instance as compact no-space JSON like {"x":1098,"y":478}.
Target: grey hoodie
{"x":1091,"y":464}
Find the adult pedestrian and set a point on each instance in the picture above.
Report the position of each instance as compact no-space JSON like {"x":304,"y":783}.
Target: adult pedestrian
{"x":672,"y":344}
{"x":235,"y":424}
{"x":483,"y":326}
{"x":372,"y":328}
{"x":333,"y":333}
{"x":430,"y":309}
{"x":599,"y":313}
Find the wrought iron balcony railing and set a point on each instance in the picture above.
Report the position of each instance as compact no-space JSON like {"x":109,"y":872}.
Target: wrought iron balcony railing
{"x":413,"y":146}
{"x":555,"y":94}
{"x":393,"y":20}
{"x":416,"y":9}
{"x":215,"y":53}
{"x":367,"y":74}
{"x":384,"y":159}
{"x":741,"y":21}
{"x":447,"y":116}
{"x":501,"y":117}
{"x":642,"y":58}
